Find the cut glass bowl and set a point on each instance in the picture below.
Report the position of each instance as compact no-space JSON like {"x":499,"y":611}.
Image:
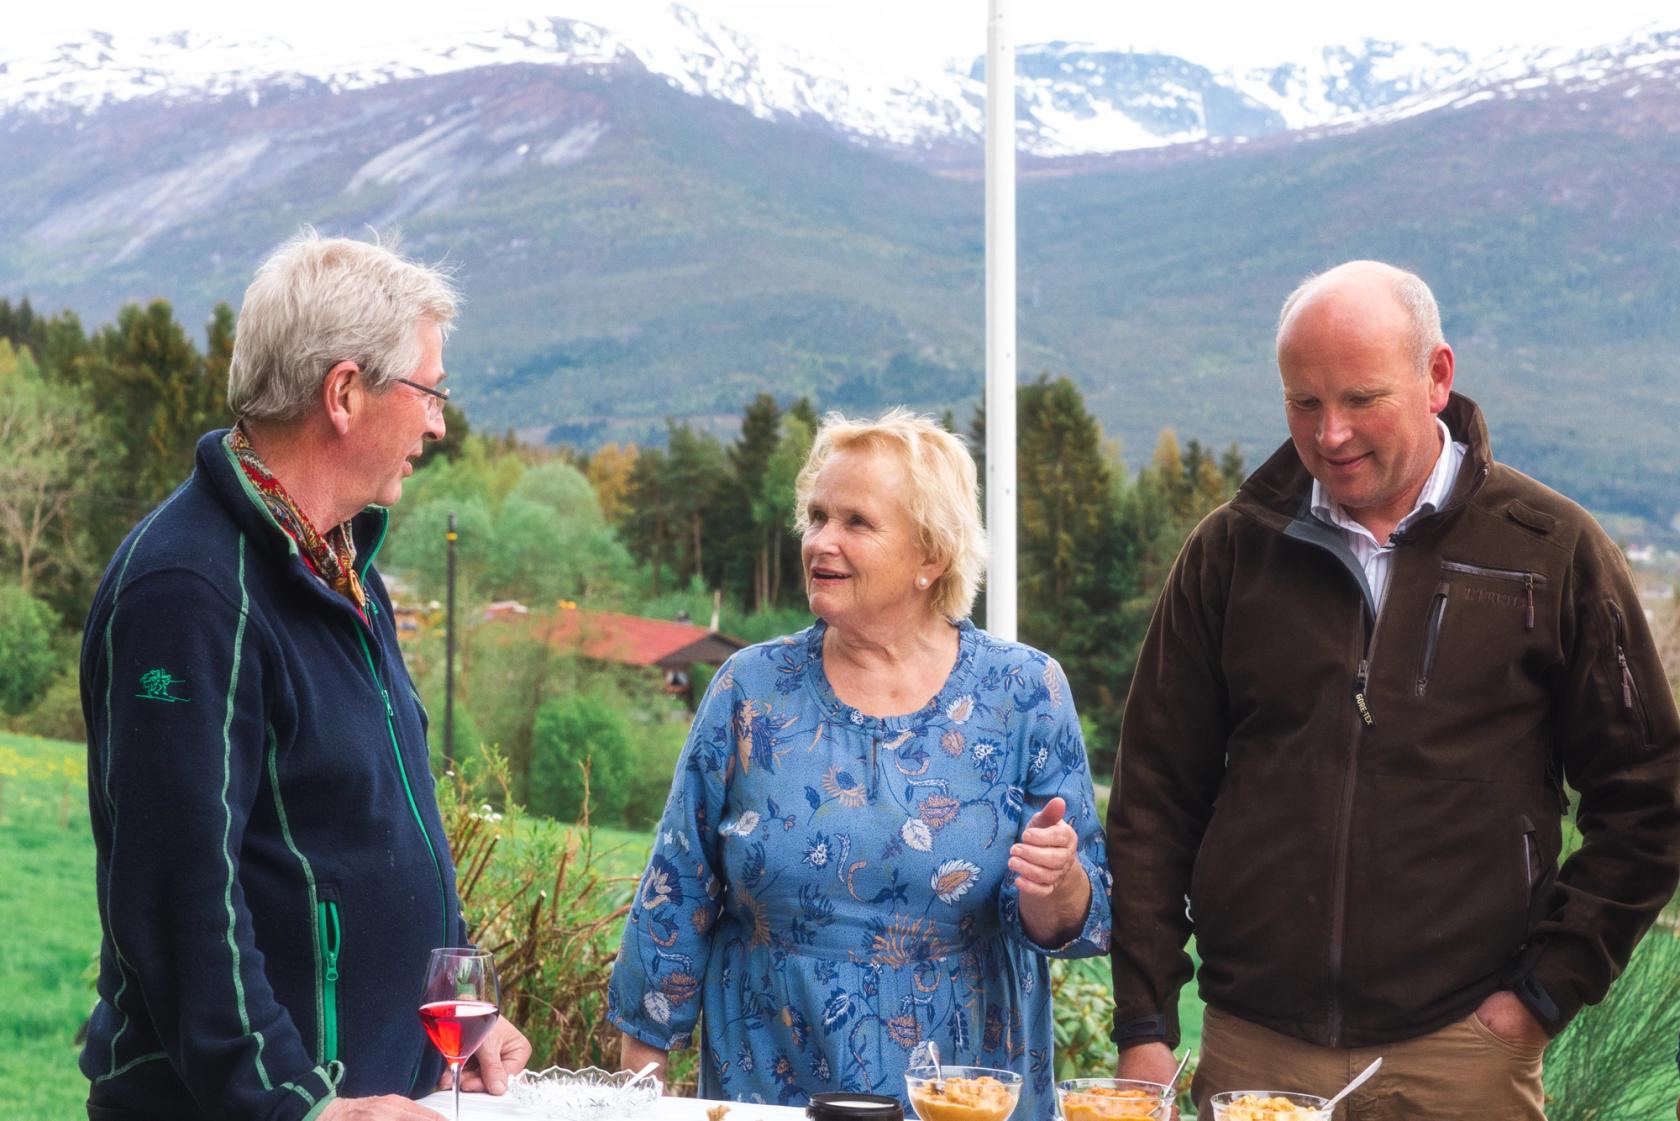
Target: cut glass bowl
{"x":591,"y":1094}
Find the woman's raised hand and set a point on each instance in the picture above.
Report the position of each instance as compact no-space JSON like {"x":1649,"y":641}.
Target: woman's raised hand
{"x":1055,"y":891}
{"x":1047,"y":855}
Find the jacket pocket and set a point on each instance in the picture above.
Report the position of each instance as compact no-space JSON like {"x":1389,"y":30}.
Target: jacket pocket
{"x":331,"y":942}
{"x":1539,"y":870}
{"x":1432,"y":636}
{"x":1521,"y":580}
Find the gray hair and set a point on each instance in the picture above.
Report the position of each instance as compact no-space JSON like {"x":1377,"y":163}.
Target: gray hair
{"x":319,"y":301}
{"x":942,"y":494}
{"x":1409,"y":291}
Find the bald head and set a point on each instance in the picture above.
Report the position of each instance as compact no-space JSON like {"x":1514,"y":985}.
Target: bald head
{"x":1371,"y":284}
{"x":1363,"y":381}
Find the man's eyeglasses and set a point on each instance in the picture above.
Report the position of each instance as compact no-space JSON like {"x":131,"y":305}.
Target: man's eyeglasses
{"x":439,"y":397}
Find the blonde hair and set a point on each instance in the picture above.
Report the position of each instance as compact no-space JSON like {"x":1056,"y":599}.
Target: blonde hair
{"x":942,"y":499}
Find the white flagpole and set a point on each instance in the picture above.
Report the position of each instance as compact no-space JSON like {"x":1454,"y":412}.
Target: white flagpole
{"x":1000,"y":322}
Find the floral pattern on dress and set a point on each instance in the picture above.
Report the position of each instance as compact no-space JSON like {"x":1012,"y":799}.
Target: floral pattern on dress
{"x":830,"y":888}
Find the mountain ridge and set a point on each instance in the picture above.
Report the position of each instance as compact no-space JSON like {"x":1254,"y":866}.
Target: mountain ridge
{"x":632,"y":252}
{"x":1074,"y":99}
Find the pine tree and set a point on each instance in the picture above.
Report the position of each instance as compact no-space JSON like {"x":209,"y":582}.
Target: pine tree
{"x":1063,"y":483}
{"x":153,"y":385}
{"x":749,"y":457}
{"x":696,"y":470}
{"x":646,"y":523}
{"x":1076,"y":569}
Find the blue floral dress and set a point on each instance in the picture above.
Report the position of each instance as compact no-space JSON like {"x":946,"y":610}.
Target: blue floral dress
{"x":830,"y":888}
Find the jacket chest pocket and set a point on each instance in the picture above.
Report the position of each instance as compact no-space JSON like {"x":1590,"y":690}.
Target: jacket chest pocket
{"x":1478,"y":618}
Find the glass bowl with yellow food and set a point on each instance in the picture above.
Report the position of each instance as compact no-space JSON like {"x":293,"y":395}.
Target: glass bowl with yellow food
{"x":955,"y":1093}
{"x":1269,"y":1105}
{"x":1114,"y":1099}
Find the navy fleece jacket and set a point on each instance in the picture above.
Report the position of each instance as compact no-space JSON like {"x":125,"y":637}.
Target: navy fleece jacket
{"x":272,"y":868}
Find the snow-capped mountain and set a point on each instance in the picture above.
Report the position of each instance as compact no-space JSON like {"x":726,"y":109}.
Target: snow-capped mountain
{"x":694,"y":53}
{"x":656,"y":215}
{"x":1346,"y":81}
{"x":1650,"y":56}
{"x":1074,"y":98}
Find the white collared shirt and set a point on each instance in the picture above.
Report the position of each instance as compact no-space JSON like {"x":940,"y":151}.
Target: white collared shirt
{"x":1376,"y":556}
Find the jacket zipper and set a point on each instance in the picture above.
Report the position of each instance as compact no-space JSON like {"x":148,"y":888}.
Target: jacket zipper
{"x":1527,"y":579}
{"x":1365,"y":719}
{"x":1344,"y":822}
{"x":331,"y":942}
{"x":1432,"y":638}
{"x":1631,"y":700}
{"x":408,"y":788}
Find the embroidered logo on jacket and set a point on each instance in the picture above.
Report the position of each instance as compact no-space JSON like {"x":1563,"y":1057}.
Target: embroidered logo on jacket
{"x":155,"y":685}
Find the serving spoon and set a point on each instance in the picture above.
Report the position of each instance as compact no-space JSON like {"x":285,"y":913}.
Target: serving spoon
{"x":1358,"y":1081}
{"x":927,"y":1054}
{"x":1172,"y":1083}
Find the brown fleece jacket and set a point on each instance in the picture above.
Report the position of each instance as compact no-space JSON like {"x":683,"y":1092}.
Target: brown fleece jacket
{"x":1357,"y":814}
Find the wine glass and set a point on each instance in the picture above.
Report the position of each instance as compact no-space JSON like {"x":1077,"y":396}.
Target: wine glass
{"x":458,"y":1006}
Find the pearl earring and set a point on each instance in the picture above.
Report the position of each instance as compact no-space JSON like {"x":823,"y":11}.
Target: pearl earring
{"x":921,"y":581}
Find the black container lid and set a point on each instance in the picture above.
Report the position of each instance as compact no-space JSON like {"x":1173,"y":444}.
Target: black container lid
{"x":846,"y":1106}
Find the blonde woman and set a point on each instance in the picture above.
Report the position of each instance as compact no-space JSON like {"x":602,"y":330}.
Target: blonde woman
{"x":881,"y":826}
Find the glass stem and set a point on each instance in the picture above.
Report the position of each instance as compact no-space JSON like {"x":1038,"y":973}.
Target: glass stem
{"x":455,"y":1079}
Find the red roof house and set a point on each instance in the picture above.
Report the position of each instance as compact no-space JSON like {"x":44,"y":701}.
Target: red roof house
{"x":633,"y":640}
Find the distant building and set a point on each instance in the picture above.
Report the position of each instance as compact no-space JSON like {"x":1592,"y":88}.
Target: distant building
{"x":633,"y":640}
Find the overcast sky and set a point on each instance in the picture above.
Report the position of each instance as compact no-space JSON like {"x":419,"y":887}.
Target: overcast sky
{"x":906,"y":33}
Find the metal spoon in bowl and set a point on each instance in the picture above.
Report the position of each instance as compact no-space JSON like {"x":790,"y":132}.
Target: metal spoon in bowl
{"x":1358,"y":1081}
{"x":1172,"y":1083}
{"x":938,"y":1073}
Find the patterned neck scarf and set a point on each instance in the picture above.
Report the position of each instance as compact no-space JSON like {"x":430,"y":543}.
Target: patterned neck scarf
{"x":331,"y":555}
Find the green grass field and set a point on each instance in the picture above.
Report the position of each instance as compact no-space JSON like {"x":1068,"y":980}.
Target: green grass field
{"x":46,"y":964}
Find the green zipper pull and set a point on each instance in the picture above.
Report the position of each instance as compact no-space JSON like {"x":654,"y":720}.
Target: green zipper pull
{"x":1360,"y":681}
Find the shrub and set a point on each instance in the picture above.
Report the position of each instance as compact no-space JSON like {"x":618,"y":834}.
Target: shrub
{"x":29,"y":656}
{"x":569,"y":737}
{"x":658,"y":746}
{"x":1615,"y":1062}
{"x":533,"y":898}
{"x":1082,"y":1001}
{"x":58,"y":714}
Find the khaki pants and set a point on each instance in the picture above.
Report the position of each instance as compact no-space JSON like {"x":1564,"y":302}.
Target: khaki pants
{"x":1463,"y":1072}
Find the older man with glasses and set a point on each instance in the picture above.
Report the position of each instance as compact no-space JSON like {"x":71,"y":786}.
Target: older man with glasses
{"x":272,"y":868}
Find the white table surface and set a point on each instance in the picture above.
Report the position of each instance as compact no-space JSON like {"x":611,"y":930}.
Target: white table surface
{"x":485,"y":1107}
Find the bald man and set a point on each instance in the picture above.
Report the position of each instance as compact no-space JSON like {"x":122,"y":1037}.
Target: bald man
{"x":1369,"y":687}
